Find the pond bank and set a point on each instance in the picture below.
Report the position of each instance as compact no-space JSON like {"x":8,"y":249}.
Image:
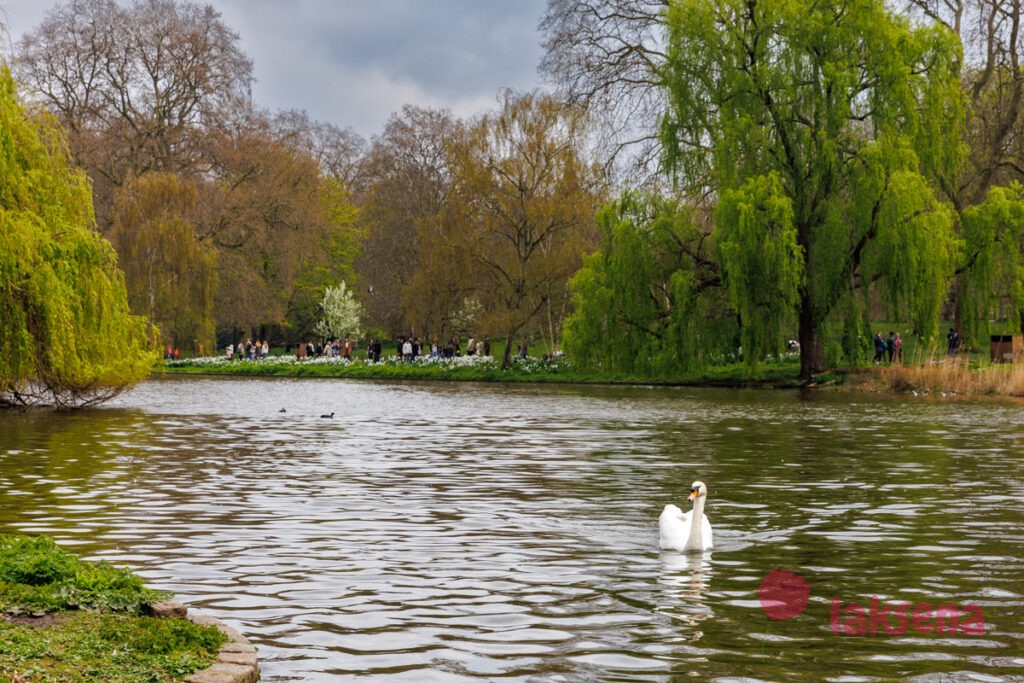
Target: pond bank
{"x":62,"y":618}
{"x":236,"y":661}
{"x":939,"y":377}
{"x":778,"y":374}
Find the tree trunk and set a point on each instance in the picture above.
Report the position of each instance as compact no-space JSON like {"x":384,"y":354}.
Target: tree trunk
{"x":506,"y":360}
{"x":954,"y":294}
{"x":812,"y":355}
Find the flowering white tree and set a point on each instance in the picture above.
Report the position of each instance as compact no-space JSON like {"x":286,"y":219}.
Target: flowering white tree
{"x":342,"y":313}
{"x":466,"y":318}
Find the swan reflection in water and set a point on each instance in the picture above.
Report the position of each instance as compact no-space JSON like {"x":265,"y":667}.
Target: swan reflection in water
{"x":687,"y":576}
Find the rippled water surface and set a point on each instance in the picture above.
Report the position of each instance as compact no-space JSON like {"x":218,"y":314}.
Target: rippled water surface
{"x":474,"y":532}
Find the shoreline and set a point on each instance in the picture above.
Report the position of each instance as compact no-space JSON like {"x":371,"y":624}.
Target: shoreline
{"x":237,"y":660}
{"x":939,"y":378}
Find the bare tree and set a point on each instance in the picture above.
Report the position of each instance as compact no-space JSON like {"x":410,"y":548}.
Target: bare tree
{"x":993,"y":81}
{"x":337,"y":150}
{"x":607,"y":55}
{"x":405,"y":179}
{"x":522,"y":209}
{"x":135,"y":86}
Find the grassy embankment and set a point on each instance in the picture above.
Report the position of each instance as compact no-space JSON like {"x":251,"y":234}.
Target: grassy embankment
{"x":966,"y":375}
{"x":925,"y":371}
{"x":929,"y":370}
{"x":67,"y":620}
{"x":473,"y":368}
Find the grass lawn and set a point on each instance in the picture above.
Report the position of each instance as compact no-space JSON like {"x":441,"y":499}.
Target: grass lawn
{"x":926,"y":369}
{"x":476,"y":368}
{"x":62,"y":619}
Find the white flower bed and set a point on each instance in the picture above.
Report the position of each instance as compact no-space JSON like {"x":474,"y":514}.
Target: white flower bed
{"x":526,"y":365}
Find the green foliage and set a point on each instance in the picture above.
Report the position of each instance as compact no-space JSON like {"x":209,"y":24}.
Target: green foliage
{"x":845,"y":112}
{"x":779,"y":371}
{"x":761,"y":261}
{"x":160,"y":636}
{"x":914,"y":251}
{"x":337,"y":249}
{"x":37,"y":575}
{"x":109,"y":642}
{"x":107,"y":648}
{"x":993,"y":282}
{"x":480,"y":368}
{"x":67,"y":335}
{"x":34,"y":561}
{"x":646,"y":303}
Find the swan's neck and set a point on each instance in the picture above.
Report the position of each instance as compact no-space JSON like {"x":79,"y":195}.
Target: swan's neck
{"x":696,"y":539}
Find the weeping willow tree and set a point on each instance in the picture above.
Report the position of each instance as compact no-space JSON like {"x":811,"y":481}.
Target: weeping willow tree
{"x":67,"y":337}
{"x":648,"y":302}
{"x":170,"y":275}
{"x":821,"y":130}
{"x":992,"y":281}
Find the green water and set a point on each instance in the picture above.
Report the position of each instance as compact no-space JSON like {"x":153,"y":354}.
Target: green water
{"x":463,"y":532}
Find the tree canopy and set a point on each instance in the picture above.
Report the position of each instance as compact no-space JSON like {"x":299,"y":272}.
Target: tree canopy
{"x":638,"y":297}
{"x":821,"y":164}
{"x":341,"y":314}
{"x":475,"y":227}
{"x":820,"y":129}
{"x":523,"y":215}
{"x":171,"y":275}
{"x":225,"y":218}
{"x":67,"y":337}
{"x":986,"y":191}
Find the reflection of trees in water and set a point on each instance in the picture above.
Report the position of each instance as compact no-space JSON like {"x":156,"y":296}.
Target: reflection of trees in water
{"x":54,"y":458}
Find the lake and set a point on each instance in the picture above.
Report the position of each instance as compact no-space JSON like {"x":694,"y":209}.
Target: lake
{"x":483,"y":532}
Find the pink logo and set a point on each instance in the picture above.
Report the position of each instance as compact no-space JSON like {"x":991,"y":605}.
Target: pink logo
{"x":783,"y":594}
{"x":896,"y":618}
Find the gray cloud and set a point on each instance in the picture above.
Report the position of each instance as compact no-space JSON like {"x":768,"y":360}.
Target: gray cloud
{"x":354,"y":62}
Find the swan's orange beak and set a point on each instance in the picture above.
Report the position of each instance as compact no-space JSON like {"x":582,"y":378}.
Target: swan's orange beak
{"x":693,"y":494}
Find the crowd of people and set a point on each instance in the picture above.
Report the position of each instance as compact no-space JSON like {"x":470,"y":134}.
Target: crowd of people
{"x":407,"y":349}
{"x":332,"y":348}
{"x":888,"y":348}
{"x":411,"y":348}
{"x":249,"y":350}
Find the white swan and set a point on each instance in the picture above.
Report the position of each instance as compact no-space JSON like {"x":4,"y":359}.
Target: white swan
{"x":686,"y":530}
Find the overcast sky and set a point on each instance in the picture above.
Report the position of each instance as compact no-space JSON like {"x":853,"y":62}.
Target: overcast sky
{"x":354,"y":62}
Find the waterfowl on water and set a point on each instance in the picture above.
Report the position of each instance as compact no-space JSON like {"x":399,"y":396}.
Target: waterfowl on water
{"x":328,"y":416}
{"x":685,"y":531}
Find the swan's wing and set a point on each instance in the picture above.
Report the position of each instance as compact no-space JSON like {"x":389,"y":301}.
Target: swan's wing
{"x":672,"y":516}
{"x":673,"y":527}
{"x":673,"y":512}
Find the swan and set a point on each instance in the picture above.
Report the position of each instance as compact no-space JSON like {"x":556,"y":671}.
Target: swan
{"x":686,"y":530}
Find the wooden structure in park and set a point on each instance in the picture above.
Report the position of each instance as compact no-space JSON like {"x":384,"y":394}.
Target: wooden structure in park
{"x":1007,"y":348}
